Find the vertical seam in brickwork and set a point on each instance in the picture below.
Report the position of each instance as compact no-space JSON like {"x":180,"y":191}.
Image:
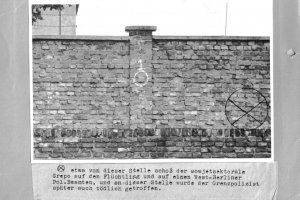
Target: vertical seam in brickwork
{"x":129,"y":86}
{"x":152,"y":78}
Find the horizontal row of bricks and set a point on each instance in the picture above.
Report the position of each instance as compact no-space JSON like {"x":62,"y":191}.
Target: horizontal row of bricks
{"x":148,"y":155}
{"x":139,"y":132}
{"x":158,"y":142}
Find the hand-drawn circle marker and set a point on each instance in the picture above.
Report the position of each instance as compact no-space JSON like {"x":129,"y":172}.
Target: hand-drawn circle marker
{"x":246,"y":108}
{"x":60,"y":168}
{"x":141,"y":77}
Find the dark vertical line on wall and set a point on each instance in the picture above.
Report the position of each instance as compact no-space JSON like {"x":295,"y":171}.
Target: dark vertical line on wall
{"x":129,"y":87}
{"x":152,"y":78}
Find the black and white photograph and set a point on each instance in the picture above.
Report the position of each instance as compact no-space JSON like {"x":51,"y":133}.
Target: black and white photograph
{"x":140,"y":93}
{"x":139,"y":99}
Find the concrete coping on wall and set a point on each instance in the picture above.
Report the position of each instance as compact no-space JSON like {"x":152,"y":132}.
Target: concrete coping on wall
{"x":80,"y":37}
{"x":127,"y":38}
{"x":140,"y":28}
{"x":255,"y":38}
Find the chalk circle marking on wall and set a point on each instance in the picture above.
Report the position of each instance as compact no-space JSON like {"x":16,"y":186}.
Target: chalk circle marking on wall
{"x":141,"y":77}
{"x":246,"y":108}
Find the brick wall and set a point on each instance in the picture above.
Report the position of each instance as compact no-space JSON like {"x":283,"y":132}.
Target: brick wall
{"x":194,"y":78}
{"x":147,"y":96}
{"x":151,"y":143}
{"x":80,"y":83}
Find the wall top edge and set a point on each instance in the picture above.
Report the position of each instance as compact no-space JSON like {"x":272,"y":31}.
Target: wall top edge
{"x":127,"y":38}
{"x":79,"y":37}
{"x":263,"y":38}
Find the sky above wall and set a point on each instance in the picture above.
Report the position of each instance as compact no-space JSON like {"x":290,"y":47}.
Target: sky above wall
{"x":174,"y":17}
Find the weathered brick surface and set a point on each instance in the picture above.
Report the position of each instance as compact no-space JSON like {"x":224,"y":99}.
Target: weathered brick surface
{"x":111,"y":145}
{"x":87,"y":106}
{"x":80,"y":83}
{"x":193,"y":79}
{"x":141,"y":73}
